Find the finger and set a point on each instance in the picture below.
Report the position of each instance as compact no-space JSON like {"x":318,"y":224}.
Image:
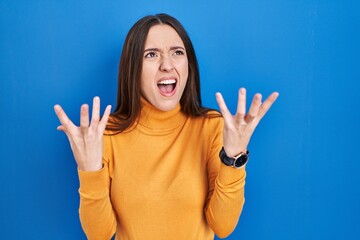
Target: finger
{"x":254,"y":108}
{"x":65,"y":121}
{"x":267,"y":104}
{"x":95,"y":112}
{"x":104,"y":119}
{"x":222,"y":105}
{"x":62,"y":128}
{"x":84,"y":116}
{"x":241,"y":107}
{"x":223,"y":109}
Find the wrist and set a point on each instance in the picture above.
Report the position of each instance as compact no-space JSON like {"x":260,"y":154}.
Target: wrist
{"x":238,"y":161}
{"x":234,"y":152}
{"x":90,"y":167}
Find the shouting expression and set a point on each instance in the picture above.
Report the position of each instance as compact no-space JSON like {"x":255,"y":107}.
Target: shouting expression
{"x":165,"y":68}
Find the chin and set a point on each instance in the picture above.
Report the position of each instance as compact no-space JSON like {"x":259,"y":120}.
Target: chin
{"x":165,"y":105}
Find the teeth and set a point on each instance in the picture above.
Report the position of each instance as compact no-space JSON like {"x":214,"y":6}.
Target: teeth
{"x":168,"y":81}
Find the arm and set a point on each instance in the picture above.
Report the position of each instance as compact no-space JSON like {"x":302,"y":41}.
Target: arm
{"x":226,"y":188}
{"x":96,"y":212}
{"x":86,"y":141}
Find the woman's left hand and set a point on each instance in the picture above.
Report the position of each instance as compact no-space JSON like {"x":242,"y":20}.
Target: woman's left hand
{"x":239,"y":128}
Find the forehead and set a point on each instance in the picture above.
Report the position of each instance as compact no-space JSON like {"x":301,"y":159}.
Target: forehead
{"x":163,"y":35}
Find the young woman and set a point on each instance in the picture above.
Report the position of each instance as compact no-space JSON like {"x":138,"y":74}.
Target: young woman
{"x":161,"y":166}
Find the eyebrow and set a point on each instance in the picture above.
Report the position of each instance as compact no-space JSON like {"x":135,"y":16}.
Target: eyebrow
{"x":159,"y":50}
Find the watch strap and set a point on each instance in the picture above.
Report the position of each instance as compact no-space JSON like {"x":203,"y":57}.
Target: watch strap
{"x":238,"y":161}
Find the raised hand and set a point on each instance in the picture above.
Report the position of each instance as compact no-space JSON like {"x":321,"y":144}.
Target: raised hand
{"x":239,"y":128}
{"x":86,"y":141}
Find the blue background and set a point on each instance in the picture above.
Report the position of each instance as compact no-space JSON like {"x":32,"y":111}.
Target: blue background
{"x":303,"y":179}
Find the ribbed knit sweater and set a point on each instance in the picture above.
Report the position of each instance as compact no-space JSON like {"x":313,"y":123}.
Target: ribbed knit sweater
{"x":162,"y":179}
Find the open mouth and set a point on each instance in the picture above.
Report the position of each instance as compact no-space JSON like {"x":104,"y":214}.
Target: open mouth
{"x":167,"y":86}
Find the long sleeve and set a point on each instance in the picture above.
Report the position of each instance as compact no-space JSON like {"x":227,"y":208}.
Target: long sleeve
{"x":226,"y":191}
{"x":157,"y":179}
{"x":96,"y":212}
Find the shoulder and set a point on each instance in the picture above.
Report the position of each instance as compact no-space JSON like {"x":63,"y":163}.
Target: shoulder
{"x":119,"y":124}
{"x":210,"y":120}
{"x":208,"y":129}
{"x":213,"y":117}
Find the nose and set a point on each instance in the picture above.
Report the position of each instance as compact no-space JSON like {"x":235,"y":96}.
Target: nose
{"x":166,"y":64}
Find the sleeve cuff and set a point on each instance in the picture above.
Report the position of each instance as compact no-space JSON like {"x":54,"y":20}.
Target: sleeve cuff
{"x":229,"y":175}
{"x":93,"y":185}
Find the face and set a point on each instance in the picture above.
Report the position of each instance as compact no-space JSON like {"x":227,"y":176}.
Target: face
{"x":165,"y":68}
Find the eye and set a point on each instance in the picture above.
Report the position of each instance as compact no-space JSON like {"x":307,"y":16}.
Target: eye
{"x":150,"y":55}
{"x":179,"y":52}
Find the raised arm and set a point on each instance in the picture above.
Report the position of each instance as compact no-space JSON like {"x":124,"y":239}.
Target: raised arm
{"x":226,"y":184}
{"x":96,"y":212}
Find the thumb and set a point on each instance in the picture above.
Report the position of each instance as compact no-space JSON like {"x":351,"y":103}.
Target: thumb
{"x":61,"y":128}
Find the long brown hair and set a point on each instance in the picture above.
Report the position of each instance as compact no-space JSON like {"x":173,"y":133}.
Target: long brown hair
{"x":128,"y":104}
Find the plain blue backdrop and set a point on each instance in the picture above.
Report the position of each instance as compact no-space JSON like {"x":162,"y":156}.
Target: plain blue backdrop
{"x":303,"y":177}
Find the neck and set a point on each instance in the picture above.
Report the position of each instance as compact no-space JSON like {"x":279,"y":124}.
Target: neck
{"x":157,"y":120}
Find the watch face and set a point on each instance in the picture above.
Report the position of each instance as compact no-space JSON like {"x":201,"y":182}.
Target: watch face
{"x":240,"y":161}
{"x":236,"y":162}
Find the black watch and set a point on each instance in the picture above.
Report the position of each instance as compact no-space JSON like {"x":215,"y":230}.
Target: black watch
{"x":237,"y":161}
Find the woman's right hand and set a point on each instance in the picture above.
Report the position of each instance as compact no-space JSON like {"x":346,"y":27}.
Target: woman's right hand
{"x":86,"y":141}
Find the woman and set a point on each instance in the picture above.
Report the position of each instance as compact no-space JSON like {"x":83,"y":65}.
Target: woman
{"x":166,"y":167}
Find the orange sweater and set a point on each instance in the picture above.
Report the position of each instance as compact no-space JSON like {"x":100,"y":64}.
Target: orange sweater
{"x":162,"y":180}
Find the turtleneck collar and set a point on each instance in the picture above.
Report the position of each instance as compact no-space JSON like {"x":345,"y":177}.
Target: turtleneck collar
{"x":156,"y":120}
